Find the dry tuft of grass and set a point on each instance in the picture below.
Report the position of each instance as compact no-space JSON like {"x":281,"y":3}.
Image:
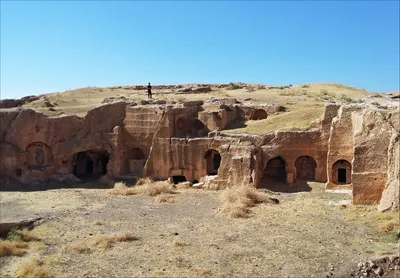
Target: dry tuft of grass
{"x":163,"y":198}
{"x":237,"y":200}
{"x":148,"y":189}
{"x":108,"y":241}
{"x":12,"y":248}
{"x":154,"y":188}
{"x":77,"y":248}
{"x":22,"y":235}
{"x":183,"y":185}
{"x":33,"y":268}
{"x":120,"y":188}
{"x":142,"y":181}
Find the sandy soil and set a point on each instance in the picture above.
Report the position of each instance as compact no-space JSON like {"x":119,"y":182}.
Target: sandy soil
{"x":303,"y":236}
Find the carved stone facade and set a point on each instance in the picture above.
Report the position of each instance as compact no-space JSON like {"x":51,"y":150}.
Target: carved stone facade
{"x":351,"y":149}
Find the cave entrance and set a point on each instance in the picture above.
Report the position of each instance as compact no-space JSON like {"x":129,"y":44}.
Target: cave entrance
{"x":342,"y":175}
{"x":341,"y":172}
{"x":91,"y":164}
{"x":213,"y":160}
{"x":178,"y":179}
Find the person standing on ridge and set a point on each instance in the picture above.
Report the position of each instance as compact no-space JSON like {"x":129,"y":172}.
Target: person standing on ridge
{"x":149,"y":91}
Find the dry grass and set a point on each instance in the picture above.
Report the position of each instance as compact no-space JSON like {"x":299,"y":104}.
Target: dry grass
{"x":148,"y":189}
{"x":295,"y":120}
{"x":33,"y":269}
{"x":12,"y":248}
{"x":154,"y":188}
{"x":120,"y":188}
{"x":142,"y":181}
{"x":79,"y":101}
{"x":163,"y":198}
{"x":383,"y":223}
{"x":108,"y":241}
{"x":237,"y":201}
{"x":77,"y":248}
{"x":183,"y":185}
{"x":22,"y":235}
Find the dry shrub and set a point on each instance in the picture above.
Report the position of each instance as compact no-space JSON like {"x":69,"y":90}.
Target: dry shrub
{"x":22,"y":235}
{"x":183,"y":185}
{"x":109,"y":241}
{"x":148,"y":189}
{"x":142,"y":181}
{"x":77,"y":248}
{"x":237,"y":200}
{"x":163,"y":198}
{"x":153,"y":189}
{"x":33,"y":268}
{"x":12,"y":248}
{"x":120,"y":188}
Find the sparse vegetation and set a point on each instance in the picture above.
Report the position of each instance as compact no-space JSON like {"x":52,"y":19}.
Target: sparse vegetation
{"x":21,"y":235}
{"x":149,"y":189}
{"x":78,"y":248}
{"x":33,"y":268}
{"x":237,"y":200}
{"x":108,"y":241}
{"x":12,"y":248}
{"x":154,"y":188}
{"x":233,"y":86}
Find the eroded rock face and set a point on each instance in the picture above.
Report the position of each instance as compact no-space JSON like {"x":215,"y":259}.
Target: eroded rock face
{"x":351,"y":147}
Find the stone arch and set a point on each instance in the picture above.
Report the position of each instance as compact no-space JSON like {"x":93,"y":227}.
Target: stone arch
{"x":275,"y":169}
{"x":341,"y":172}
{"x":259,"y":114}
{"x":91,"y":163}
{"x":136,"y":159}
{"x":305,"y":168}
{"x":136,"y":154}
{"x":38,"y":156}
{"x":213,"y":161}
{"x":181,"y":123}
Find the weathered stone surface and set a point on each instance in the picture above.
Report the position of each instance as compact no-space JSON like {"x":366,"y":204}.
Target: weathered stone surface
{"x":370,"y":164}
{"x":352,"y":147}
{"x":390,"y":196}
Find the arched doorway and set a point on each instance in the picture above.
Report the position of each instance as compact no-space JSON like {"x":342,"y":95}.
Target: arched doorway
{"x":213,"y":160}
{"x":305,"y":168}
{"x":259,"y":114}
{"x":91,"y":164}
{"x":275,"y":170}
{"x":341,"y":172}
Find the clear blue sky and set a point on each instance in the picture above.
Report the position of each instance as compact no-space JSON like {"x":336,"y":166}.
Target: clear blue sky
{"x":54,"y":46}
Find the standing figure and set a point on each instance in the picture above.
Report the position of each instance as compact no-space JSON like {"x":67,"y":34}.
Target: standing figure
{"x":149,"y":90}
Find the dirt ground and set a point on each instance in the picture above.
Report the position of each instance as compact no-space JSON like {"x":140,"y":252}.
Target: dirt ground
{"x":305,"y":235}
